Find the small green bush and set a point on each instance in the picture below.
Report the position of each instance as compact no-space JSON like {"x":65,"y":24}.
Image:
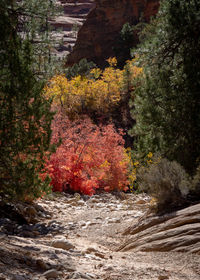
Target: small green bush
{"x":167,"y":182}
{"x":195,"y":186}
{"x":82,"y":68}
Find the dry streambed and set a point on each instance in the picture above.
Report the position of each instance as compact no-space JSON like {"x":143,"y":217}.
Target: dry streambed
{"x":73,"y":237}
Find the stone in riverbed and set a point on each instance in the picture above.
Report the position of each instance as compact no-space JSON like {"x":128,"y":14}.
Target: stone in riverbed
{"x":41,"y":264}
{"x":18,"y":277}
{"x":52,"y":273}
{"x":62,"y":244}
{"x":79,"y":275}
{"x":140,"y":202}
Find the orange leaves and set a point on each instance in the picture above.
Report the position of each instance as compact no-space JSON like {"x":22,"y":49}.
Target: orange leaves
{"x":90,"y":157}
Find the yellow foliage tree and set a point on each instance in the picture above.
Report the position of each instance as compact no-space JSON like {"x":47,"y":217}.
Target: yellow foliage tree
{"x":100,"y":92}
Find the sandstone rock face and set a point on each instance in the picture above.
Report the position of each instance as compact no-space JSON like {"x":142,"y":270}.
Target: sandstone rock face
{"x":178,"y":232}
{"x":103,"y":24}
{"x":74,"y":15}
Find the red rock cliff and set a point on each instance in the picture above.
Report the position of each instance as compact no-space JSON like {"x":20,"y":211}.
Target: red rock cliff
{"x":103,"y":24}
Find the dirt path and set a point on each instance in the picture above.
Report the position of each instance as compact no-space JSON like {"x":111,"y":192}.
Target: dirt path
{"x":76,"y":238}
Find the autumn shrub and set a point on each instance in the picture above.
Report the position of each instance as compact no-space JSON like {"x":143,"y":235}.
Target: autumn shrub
{"x":89,"y":157}
{"x":81,"y":94}
{"x":134,"y":165}
{"x":167,"y":182}
{"x":100,"y":92}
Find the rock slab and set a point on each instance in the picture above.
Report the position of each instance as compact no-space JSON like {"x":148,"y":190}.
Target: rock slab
{"x":178,"y":231}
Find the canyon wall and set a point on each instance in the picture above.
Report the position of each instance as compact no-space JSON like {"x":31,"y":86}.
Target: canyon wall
{"x":100,"y":31}
{"x":65,"y":26}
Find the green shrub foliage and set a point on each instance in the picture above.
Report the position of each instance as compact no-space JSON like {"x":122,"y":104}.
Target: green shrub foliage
{"x":195,"y":186}
{"x":25,"y":116}
{"x":167,"y":102}
{"x":167,"y":182}
{"x":82,"y":68}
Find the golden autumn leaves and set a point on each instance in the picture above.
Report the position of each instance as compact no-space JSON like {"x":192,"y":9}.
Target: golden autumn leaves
{"x":104,"y":163}
{"x":101,"y":91}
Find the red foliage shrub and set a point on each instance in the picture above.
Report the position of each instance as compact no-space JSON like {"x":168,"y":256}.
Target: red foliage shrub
{"x":89,"y":157}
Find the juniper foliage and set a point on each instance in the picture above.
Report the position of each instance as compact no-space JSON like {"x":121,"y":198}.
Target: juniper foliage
{"x":25,"y":115}
{"x":167,"y":102}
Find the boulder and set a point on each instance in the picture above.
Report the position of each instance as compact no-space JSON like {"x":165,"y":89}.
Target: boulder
{"x":62,"y":244}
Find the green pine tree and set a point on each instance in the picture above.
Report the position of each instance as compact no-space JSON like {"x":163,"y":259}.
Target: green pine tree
{"x":167,"y":102}
{"x":25,"y":116}
{"x":82,"y":68}
{"x":124,"y":44}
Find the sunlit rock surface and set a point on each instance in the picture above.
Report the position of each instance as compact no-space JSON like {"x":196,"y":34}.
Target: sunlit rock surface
{"x":65,"y":27}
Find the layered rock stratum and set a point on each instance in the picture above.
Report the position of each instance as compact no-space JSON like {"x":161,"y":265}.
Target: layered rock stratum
{"x":101,"y":29}
{"x":65,"y":26}
{"x":178,"y":232}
